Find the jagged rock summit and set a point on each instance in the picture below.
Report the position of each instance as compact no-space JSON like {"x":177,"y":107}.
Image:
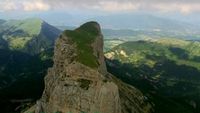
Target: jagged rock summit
{"x":78,"y":82}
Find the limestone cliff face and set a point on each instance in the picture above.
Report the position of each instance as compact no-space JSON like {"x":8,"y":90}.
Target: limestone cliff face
{"x":78,"y":81}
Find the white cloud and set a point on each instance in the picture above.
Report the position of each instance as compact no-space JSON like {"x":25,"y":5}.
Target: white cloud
{"x":182,"y":6}
{"x":24,"y":5}
{"x":112,"y":6}
{"x":7,"y":5}
{"x":37,"y":5}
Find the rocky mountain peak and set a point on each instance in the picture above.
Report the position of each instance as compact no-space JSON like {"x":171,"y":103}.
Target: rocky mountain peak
{"x":92,"y":27}
{"x":88,"y":43}
{"x":78,"y":82}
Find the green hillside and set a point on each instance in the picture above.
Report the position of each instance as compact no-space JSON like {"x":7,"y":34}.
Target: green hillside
{"x":140,"y":52}
{"x":166,"y":70}
{"x":111,"y":43}
{"x":30,"y":26}
{"x":31,"y":35}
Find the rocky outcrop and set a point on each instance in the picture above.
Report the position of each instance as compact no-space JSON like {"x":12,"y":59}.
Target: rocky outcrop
{"x":81,"y":84}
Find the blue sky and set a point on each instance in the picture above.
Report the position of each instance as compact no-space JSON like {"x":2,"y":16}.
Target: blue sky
{"x":187,"y":10}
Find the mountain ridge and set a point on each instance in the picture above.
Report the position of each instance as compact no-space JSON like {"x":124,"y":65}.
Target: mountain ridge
{"x":29,"y":36}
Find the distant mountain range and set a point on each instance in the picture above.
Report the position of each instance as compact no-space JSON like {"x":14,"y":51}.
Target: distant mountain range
{"x":144,"y":26}
{"x":128,"y":34}
{"x":144,"y":22}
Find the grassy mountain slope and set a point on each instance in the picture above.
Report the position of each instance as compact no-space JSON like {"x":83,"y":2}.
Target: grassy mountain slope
{"x":26,"y":48}
{"x":166,"y":70}
{"x":30,"y":35}
{"x":30,"y":26}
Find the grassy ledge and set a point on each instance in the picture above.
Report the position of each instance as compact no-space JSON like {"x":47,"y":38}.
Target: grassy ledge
{"x":84,"y":37}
